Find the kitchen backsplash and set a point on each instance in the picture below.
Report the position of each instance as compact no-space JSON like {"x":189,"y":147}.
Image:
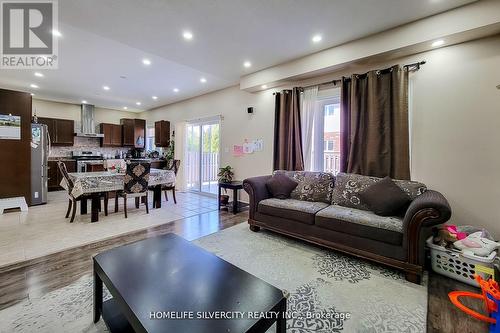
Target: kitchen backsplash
{"x":87,"y":144}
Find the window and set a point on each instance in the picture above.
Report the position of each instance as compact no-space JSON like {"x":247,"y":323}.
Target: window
{"x":150,"y":139}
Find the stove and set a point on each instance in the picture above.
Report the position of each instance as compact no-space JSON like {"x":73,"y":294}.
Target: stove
{"x":83,"y":158}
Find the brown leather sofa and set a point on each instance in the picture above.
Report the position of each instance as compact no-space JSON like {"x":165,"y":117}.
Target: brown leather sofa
{"x":325,"y":210}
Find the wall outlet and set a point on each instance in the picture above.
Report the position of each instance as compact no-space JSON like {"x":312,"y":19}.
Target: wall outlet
{"x":36,"y":195}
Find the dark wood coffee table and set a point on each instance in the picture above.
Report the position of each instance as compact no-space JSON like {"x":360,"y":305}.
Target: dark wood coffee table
{"x":168,"y":276}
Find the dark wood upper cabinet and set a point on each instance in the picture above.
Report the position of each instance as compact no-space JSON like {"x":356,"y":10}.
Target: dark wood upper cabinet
{"x":162,"y":133}
{"x":133,"y":132}
{"x":61,"y":131}
{"x":128,"y":132}
{"x":112,"y":135}
{"x":116,"y":138}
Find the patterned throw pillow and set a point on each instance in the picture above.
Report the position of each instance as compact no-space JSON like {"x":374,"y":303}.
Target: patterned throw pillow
{"x":349,"y":185}
{"x":312,"y":186}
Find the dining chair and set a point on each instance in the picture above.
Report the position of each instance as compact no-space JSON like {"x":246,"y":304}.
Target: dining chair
{"x":174,"y":165}
{"x":72,"y":201}
{"x":135,"y":184}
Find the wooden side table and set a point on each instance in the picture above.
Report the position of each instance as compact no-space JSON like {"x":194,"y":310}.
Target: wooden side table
{"x":235,"y":186}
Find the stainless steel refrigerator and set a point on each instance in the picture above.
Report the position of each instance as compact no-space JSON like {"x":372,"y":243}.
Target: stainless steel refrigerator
{"x":40,"y":146}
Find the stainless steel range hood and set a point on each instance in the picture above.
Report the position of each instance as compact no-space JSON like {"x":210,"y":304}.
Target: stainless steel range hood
{"x":87,"y":129}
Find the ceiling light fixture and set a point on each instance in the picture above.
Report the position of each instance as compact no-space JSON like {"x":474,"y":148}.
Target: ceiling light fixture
{"x":247,"y":64}
{"x":155,"y":97}
{"x":38,"y":74}
{"x":437,"y":43}
{"x":84,"y":102}
{"x":32,"y":94}
{"x":138,"y":103}
{"x":56,"y":33}
{"x":317,"y":38}
{"x":203,"y":80}
{"x":34,"y":86}
{"x":188,"y":35}
{"x":105,"y":87}
{"x":176,"y":90}
{"x":264,"y":86}
{"x":146,"y":62}
{"x":125,"y":108}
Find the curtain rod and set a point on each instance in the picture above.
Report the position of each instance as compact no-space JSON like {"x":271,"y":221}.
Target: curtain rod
{"x":410,"y":67}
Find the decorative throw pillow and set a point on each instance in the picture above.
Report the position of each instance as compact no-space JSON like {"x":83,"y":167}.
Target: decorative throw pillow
{"x":385,"y":198}
{"x":280,"y":186}
{"x":348,"y":186}
{"x":312,"y":186}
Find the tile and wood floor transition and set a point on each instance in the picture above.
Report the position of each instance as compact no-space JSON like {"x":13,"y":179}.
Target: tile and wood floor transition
{"x":41,"y":251}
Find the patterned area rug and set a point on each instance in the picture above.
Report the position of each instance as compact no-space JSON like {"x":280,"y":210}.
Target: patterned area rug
{"x":329,"y":292}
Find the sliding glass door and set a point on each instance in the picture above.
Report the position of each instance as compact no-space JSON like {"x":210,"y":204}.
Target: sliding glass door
{"x":202,"y":155}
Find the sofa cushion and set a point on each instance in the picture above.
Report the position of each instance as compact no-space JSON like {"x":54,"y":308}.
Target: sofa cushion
{"x":297,"y":210}
{"x":385,"y":198}
{"x":312,"y":186}
{"x":361,"y":223}
{"x":280,"y":186}
{"x":349,"y":185}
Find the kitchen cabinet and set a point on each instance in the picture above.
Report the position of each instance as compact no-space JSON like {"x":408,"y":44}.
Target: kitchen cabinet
{"x":112,"y":135}
{"x":134,"y":132}
{"x":128,"y":132}
{"x":54,"y":175}
{"x":162,"y":133}
{"x":61,"y":131}
{"x":158,"y":164}
{"x":95,"y":167}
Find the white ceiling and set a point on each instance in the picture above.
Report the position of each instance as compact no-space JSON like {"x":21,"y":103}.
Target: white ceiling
{"x":105,"y":39}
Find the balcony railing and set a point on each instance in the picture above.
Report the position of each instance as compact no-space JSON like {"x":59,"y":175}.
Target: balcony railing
{"x":331,"y":162}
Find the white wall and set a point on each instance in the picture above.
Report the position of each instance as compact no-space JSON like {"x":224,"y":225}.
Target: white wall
{"x":52,"y":109}
{"x":455,"y":126}
{"x":236,"y":126}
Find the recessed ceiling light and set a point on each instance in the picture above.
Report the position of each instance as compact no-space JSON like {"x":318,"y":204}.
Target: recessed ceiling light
{"x":203,"y":80}
{"x":105,"y":87}
{"x":125,"y":108}
{"x":32,"y":94}
{"x":187,"y":35}
{"x":317,"y":38}
{"x":146,"y":62}
{"x":437,"y":43}
{"x":138,"y":103}
{"x":33,"y":86}
{"x":56,"y":33}
{"x":264,"y":86}
{"x":38,"y":74}
{"x":247,"y":64}
{"x":84,"y":102}
{"x":176,"y":90}
{"x":155,"y":97}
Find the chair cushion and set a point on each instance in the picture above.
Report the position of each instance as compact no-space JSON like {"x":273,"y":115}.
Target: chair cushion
{"x":361,"y":223}
{"x":292,"y":209}
{"x":349,"y":185}
{"x":385,"y":198}
{"x":312,"y":186}
{"x":280,"y":186}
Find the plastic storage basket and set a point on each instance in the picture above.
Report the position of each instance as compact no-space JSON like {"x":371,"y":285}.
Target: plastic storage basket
{"x":458,"y":265}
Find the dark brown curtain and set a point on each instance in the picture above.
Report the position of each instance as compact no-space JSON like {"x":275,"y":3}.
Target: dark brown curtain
{"x":374,"y":124}
{"x":287,"y":131}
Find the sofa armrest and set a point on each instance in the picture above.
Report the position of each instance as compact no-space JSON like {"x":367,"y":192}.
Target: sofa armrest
{"x":427,"y":210}
{"x":257,"y":191}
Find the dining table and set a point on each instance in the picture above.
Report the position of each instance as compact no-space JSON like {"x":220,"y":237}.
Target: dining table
{"x":93,"y":184}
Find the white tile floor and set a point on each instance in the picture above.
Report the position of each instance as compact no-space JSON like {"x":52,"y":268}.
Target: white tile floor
{"x":44,"y":229}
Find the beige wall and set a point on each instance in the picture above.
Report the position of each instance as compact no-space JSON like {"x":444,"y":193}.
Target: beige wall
{"x":52,"y":109}
{"x":455,"y":126}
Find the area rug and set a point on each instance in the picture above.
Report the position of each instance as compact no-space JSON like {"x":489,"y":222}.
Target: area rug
{"x":328,"y":292}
